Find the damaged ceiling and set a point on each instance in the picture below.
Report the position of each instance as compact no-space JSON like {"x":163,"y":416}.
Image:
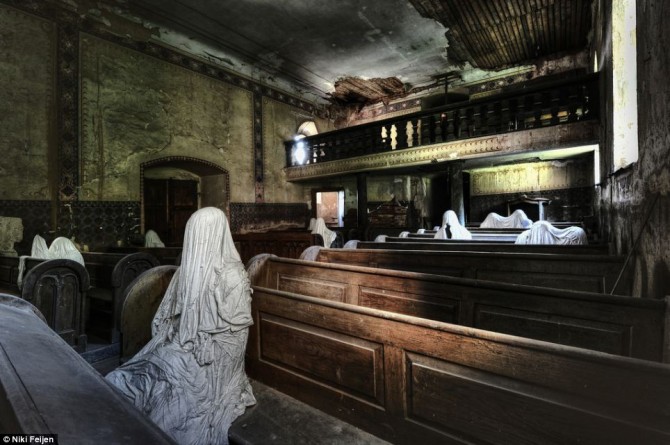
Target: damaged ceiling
{"x":366,"y":51}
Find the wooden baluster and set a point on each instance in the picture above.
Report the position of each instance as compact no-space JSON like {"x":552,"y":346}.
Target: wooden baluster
{"x":450,"y":126}
{"x":457,"y":124}
{"x":513,"y":117}
{"x":499,"y":108}
{"x":483,"y":120}
{"x":401,"y":134}
{"x":537,"y":110}
{"x":470,"y":121}
{"x":415,"y":140}
{"x":428,"y":130}
{"x":444,"y":122}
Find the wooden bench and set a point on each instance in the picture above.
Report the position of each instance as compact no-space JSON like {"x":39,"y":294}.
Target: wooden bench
{"x":47,"y":388}
{"x":165,"y":255}
{"x":592,"y":273}
{"x":624,"y":326}
{"x":57,"y":288}
{"x":140,"y":303}
{"x":110,"y":274}
{"x":411,"y":380}
{"x":500,"y":236}
{"x":482,"y":246}
{"x":284,"y":243}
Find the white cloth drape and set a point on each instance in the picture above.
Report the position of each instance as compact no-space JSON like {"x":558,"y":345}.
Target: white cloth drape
{"x":327,"y":234}
{"x":517,"y":220}
{"x":151,"y":239}
{"x":542,"y":232}
{"x":61,"y":247}
{"x":457,"y":230}
{"x":189,"y":379}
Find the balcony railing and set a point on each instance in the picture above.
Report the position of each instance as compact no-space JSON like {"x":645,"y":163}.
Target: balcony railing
{"x":539,"y":106}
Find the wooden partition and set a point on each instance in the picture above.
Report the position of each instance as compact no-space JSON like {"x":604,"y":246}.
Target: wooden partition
{"x":396,"y":243}
{"x":57,"y":288}
{"x":46,"y":388}
{"x":411,"y":380}
{"x":591,"y":273}
{"x":284,"y":243}
{"x":625,"y":326}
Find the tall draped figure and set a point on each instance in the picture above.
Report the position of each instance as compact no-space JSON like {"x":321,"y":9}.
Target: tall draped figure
{"x":189,"y":379}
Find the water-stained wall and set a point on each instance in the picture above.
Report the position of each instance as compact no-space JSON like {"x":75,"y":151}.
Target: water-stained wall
{"x":136,"y":108}
{"x":634,"y":201}
{"x":27,"y":68}
{"x":93,"y":100}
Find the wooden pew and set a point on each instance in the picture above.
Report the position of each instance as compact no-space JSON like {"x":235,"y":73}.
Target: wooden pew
{"x":411,"y":380}
{"x":499,"y":235}
{"x":47,"y":388}
{"x":483,"y":246}
{"x":284,"y":243}
{"x":140,"y":303}
{"x":625,"y":326}
{"x":165,"y":255}
{"x":58,"y":289}
{"x":592,"y":273}
{"x":110,"y":274}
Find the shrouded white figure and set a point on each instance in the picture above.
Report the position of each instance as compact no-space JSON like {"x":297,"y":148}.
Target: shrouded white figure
{"x":312,"y":221}
{"x":542,"y":232}
{"x":517,"y":220}
{"x":61,"y":247}
{"x":457,"y":230}
{"x":321,"y":229}
{"x":189,"y":379}
{"x":39,"y":248}
{"x":151,"y":239}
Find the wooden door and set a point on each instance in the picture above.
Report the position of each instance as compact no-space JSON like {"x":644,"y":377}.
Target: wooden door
{"x":182,"y":203}
{"x":168,"y":204}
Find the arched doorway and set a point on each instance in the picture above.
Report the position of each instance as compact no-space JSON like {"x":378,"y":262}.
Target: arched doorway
{"x":174,"y":187}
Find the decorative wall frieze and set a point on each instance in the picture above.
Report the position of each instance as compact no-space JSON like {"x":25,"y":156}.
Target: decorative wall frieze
{"x":558,"y":136}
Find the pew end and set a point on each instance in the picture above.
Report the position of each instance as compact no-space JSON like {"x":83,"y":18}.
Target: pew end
{"x":141,"y":300}
{"x":57,"y":288}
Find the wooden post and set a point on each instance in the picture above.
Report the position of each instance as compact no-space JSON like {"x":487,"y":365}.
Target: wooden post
{"x":456,"y":189}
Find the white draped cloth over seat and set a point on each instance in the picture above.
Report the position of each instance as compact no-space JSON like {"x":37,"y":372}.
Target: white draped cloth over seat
{"x":517,"y":220}
{"x":151,"y":239}
{"x":61,"y":247}
{"x":457,"y":230}
{"x":328,"y":235}
{"x":542,"y":232}
{"x":190,"y":379}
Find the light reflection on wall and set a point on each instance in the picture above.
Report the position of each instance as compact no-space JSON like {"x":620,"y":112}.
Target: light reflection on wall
{"x":532,"y":177}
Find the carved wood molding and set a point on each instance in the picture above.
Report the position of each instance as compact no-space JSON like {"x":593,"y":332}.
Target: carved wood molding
{"x":566,"y":135}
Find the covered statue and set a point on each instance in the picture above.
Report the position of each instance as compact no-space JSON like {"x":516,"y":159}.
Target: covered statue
{"x":61,"y":247}
{"x":542,"y":232}
{"x":189,"y":379}
{"x":517,"y":220}
{"x":450,"y":221}
{"x":151,"y":239}
{"x":320,"y":228}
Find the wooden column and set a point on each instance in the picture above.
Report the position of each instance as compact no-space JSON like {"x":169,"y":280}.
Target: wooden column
{"x":362,"y":188}
{"x":456,"y":189}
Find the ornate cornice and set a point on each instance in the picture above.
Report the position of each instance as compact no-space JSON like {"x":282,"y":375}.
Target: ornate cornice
{"x":558,"y":136}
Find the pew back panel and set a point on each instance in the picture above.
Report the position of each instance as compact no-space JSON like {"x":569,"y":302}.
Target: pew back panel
{"x":591,"y":273}
{"x":469,"y":246}
{"x":140,"y":303}
{"x":284,"y":243}
{"x":113,"y":273}
{"x":618,"y":325}
{"x":58,"y":288}
{"x":412,"y":380}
